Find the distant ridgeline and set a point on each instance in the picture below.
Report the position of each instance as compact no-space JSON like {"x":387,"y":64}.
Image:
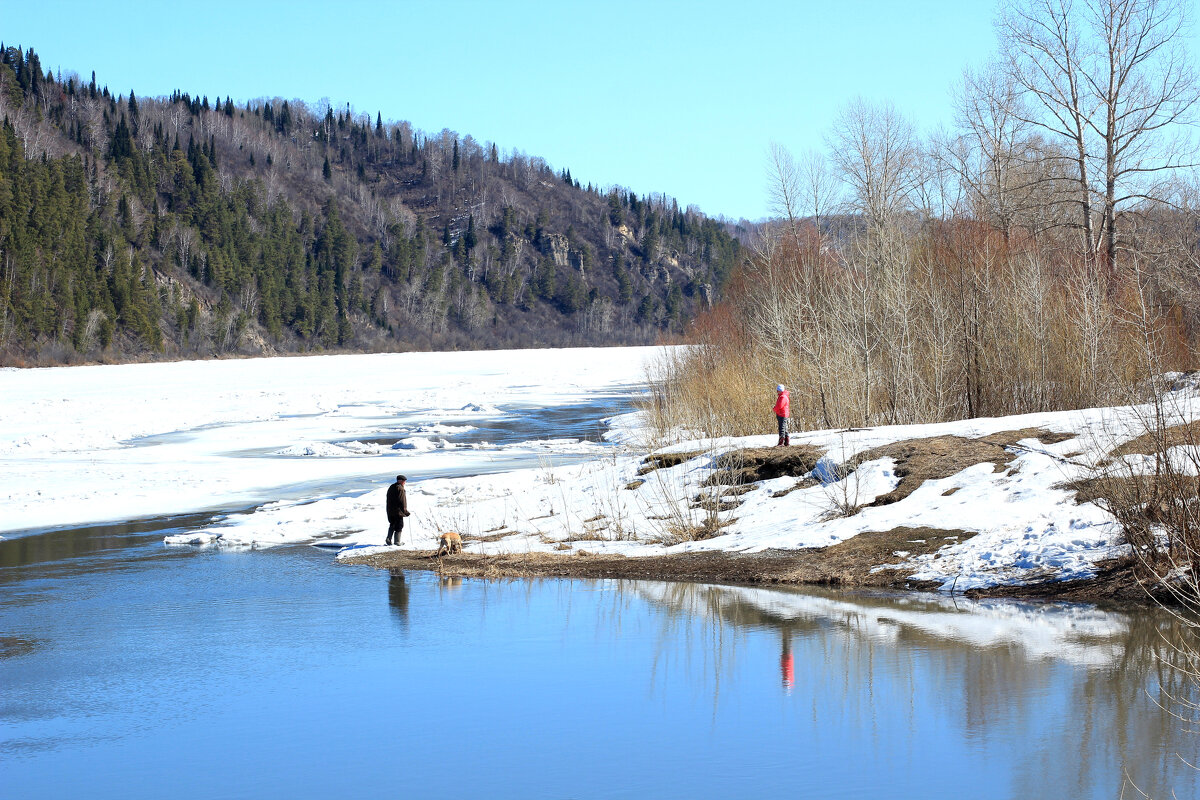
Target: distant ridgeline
{"x":142,"y":228}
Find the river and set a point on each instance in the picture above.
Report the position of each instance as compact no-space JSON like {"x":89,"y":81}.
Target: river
{"x":132,"y":669}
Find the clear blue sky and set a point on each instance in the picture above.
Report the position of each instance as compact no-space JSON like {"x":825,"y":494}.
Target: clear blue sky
{"x":681,"y":98}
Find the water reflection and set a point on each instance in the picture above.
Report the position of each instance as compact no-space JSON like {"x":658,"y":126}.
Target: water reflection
{"x":1076,"y":633}
{"x":91,"y":548}
{"x":1081,"y":697}
{"x":14,"y":646}
{"x":398,"y":593}
{"x":125,"y":662}
{"x":787,"y":662}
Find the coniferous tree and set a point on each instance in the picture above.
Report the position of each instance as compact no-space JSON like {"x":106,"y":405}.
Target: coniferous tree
{"x":469,"y":238}
{"x":172,"y":247}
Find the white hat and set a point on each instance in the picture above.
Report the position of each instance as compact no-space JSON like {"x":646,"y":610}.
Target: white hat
{"x":781,"y":388}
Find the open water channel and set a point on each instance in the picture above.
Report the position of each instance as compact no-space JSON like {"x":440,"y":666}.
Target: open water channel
{"x":132,"y":669}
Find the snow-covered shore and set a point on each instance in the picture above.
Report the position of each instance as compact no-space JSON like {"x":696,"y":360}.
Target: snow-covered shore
{"x":309,"y":444}
{"x":1029,"y":526}
{"x":86,"y":445}
{"x":1023,"y":520}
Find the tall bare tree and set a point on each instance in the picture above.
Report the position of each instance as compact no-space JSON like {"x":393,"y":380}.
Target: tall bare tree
{"x":1146,"y":89}
{"x":1110,"y":78}
{"x":818,"y":187}
{"x":875,"y":149}
{"x":784,"y":187}
{"x":1043,"y":54}
{"x":993,"y":155}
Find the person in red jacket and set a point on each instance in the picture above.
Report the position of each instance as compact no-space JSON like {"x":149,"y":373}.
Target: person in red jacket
{"x":782,"y":412}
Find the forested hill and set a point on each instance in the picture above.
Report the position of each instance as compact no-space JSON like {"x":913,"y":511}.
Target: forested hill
{"x":134,"y":227}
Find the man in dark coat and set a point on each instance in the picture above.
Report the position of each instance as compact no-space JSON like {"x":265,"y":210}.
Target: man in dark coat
{"x":397,"y":509}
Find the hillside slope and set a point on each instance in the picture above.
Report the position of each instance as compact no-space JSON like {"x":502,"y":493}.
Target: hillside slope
{"x":136,"y":228}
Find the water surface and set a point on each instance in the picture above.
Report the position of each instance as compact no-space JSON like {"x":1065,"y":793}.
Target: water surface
{"x":134,"y":670}
{"x":130,"y":669}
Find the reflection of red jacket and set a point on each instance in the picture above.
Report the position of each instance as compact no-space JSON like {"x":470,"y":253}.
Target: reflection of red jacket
{"x":782,"y":404}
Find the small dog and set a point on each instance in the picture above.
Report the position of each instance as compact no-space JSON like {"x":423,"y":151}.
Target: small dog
{"x":449,"y":543}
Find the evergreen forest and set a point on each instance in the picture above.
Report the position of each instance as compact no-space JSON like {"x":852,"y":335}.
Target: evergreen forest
{"x":175,"y":227}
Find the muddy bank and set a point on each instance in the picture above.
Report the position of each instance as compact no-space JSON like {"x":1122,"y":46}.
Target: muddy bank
{"x":851,"y":564}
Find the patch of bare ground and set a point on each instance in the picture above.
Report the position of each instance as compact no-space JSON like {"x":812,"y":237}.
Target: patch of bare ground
{"x":716,"y":503}
{"x":740,"y":467}
{"x":802,"y":484}
{"x":938,"y":457}
{"x":665,"y":460}
{"x":1152,"y":442}
{"x":848,"y":564}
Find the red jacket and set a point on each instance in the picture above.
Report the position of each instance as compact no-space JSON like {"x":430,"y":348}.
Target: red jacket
{"x":782,"y":404}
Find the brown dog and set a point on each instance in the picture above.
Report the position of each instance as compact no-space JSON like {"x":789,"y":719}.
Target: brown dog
{"x":449,"y":543}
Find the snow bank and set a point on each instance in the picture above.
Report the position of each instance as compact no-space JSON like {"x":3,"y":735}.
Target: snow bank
{"x":84,"y":445}
{"x":294,"y":440}
{"x":1071,"y":632}
{"x":1028,"y":526}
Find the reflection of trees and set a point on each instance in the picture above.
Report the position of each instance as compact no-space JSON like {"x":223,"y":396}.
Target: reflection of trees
{"x":15,"y":646}
{"x":1080,"y":697}
{"x":66,"y":552}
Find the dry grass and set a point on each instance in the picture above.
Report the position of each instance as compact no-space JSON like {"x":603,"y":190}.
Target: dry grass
{"x":871,"y":330}
{"x":1152,"y":442}
{"x":502,"y":533}
{"x":1157,"y":504}
{"x":707,"y":527}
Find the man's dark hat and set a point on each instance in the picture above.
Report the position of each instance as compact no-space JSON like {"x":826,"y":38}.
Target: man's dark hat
{"x":401,"y":478}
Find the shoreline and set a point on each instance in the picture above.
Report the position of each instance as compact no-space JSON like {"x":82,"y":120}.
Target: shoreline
{"x":847,"y":565}
{"x":748,"y":514}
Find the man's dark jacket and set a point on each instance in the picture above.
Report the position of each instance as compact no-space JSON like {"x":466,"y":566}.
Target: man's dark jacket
{"x":397,"y":502}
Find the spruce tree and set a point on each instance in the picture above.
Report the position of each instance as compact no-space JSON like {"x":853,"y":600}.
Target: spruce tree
{"x":469,"y":237}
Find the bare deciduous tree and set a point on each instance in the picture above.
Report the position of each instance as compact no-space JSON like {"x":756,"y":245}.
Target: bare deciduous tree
{"x":875,"y":149}
{"x":784,"y":187}
{"x":818,"y":187}
{"x":1110,"y":79}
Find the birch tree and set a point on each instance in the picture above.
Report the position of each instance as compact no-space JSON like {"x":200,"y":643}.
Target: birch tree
{"x":875,"y":149}
{"x":1109,"y":78}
